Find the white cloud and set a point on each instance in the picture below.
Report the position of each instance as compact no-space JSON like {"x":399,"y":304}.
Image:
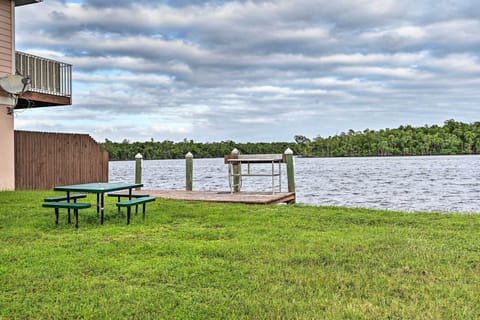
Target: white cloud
{"x":166,"y":129}
{"x":148,"y":69}
{"x":260,"y":120}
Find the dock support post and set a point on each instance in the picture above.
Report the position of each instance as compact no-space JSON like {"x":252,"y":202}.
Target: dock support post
{"x":290,"y":170}
{"x":138,"y":169}
{"x":236,"y":171}
{"x":189,"y":171}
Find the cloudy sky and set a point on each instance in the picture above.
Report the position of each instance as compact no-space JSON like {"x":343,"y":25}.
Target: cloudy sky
{"x":255,"y":70}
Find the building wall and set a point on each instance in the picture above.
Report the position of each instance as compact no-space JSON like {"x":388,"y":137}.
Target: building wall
{"x":7,"y":147}
{"x":7,"y":144}
{"x":6,"y":37}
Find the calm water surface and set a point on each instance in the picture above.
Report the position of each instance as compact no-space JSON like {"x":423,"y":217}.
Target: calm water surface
{"x":434,"y":183}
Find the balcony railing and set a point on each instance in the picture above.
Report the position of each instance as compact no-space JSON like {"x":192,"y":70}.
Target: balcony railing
{"x":47,"y":76}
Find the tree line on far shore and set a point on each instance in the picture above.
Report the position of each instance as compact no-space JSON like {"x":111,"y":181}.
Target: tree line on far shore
{"x":177,"y":150}
{"x":452,"y":138}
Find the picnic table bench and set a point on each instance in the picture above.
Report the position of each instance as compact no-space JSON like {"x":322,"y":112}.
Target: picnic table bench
{"x":135,"y":202}
{"x":73,"y":197}
{"x":66,"y":205}
{"x":126,"y":195}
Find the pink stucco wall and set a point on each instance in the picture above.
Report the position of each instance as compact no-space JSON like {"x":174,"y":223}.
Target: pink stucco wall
{"x":7,"y":151}
{"x":7,"y":143}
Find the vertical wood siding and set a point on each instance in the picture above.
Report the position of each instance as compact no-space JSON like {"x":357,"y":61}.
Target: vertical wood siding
{"x":44,"y":160}
{"x":6,"y":38}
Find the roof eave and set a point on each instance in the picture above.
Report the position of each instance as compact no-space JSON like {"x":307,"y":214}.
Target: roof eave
{"x":19,"y":3}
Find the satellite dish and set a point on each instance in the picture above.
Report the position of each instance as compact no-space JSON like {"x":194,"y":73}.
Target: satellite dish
{"x":14,"y":84}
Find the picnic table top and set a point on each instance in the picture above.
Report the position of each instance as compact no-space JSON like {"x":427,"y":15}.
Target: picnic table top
{"x":98,"y":187}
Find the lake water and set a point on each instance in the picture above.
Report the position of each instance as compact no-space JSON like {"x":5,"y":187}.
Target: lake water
{"x":433,"y":183}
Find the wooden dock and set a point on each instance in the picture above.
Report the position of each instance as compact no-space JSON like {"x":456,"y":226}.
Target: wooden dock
{"x":224,"y":196}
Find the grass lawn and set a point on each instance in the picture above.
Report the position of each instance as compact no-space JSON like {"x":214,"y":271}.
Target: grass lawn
{"x":191,"y":260}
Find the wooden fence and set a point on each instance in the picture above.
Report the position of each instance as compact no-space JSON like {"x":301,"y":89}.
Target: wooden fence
{"x":44,"y":160}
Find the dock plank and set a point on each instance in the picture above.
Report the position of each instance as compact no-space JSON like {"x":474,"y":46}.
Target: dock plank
{"x":224,"y":196}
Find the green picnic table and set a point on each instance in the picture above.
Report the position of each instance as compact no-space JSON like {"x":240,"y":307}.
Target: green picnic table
{"x":99,"y":188}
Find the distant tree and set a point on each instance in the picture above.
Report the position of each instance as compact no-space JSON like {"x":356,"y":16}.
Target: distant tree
{"x":452,"y":138}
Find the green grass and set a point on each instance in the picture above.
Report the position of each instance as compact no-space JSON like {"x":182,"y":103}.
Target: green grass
{"x":222,"y":261}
